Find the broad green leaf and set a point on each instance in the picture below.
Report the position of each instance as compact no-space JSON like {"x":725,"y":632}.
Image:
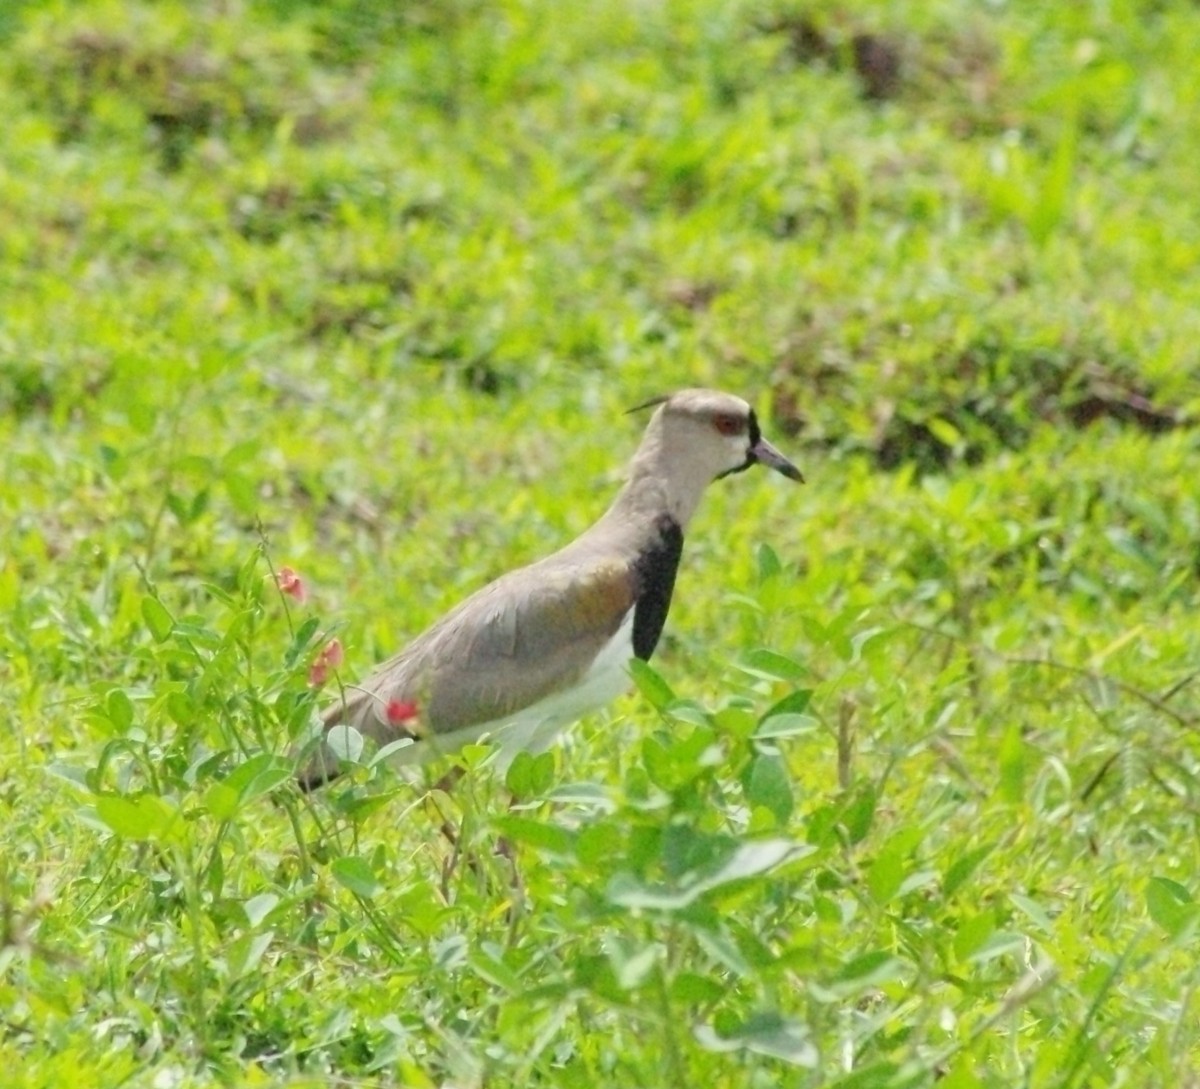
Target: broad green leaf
{"x":785,"y":725}
{"x":251,"y":779}
{"x":119,"y":708}
{"x":492,"y":969}
{"x":764,"y":1034}
{"x":944,"y":431}
{"x":182,"y":708}
{"x":655,"y":690}
{"x":549,"y":838}
{"x":768,"y":562}
{"x":591,"y":795}
{"x":599,"y":843}
{"x":258,"y":775}
{"x":530,"y":776}
{"x":747,"y":861}
{"x":860,"y":814}
{"x":1034,"y":911}
{"x":998,"y":944}
{"x":766,"y":784}
{"x":257,"y":908}
{"x":345,"y":742}
{"x":355,"y":873}
{"x":884,"y":876}
{"x":794,"y":703}
{"x":1171,"y":906}
{"x":882,"y":1075}
{"x":867,"y":970}
{"x":303,"y":638}
{"x":392,"y":748}
{"x":1013,"y":759}
{"x":960,"y":870}
{"x":158,"y":620}
{"x":775,"y":666}
{"x":138,"y":817}
{"x":972,"y":932}
{"x":632,"y":965}
{"x":723,"y":950}
{"x":244,"y":953}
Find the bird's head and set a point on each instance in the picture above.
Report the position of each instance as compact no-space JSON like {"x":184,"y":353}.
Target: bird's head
{"x":716,"y":434}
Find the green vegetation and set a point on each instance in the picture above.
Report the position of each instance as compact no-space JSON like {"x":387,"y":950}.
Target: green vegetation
{"x":362,"y":289}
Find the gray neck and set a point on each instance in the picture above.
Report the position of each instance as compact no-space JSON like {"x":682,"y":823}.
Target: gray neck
{"x":660,"y":481}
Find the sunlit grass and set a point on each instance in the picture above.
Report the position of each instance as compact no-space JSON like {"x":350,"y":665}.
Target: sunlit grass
{"x":911,"y":793}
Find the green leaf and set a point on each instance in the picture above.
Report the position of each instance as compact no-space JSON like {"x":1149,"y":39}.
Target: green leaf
{"x":358,"y":806}
{"x":251,"y":779}
{"x":345,"y":742}
{"x":119,"y":708}
{"x":794,"y":703}
{"x":768,"y":562}
{"x":1013,"y":759}
{"x":1171,"y":906}
{"x":244,"y":953}
{"x":355,"y":873}
{"x":766,"y":784}
{"x":1035,"y":912}
{"x":998,"y":944}
{"x":259,"y":775}
{"x":972,"y":933}
{"x":960,"y":870}
{"x":489,"y":967}
{"x":384,"y":754}
{"x":675,"y":757}
{"x":722,"y":949}
{"x":773,"y":666}
{"x":764,"y":1034}
{"x":138,"y":817}
{"x":549,"y":838}
{"x":859,"y":815}
{"x":632,"y":964}
{"x":785,"y":725}
{"x":944,"y":431}
{"x":240,"y":454}
{"x":748,"y":860}
{"x":599,"y":844}
{"x":530,"y":776}
{"x":257,"y":908}
{"x":867,"y":970}
{"x":302,"y":640}
{"x":884,"y":876}
{"x":158,"y":620}
{"x":882,"y":1075}
{"x":655,"y":690}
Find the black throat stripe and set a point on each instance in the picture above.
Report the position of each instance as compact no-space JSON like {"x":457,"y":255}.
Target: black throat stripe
{"x":655,"y":572}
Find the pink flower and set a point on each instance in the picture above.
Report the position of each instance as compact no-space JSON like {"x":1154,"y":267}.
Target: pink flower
{"x":333,"y":653}
{"x":401,"y":711}
{"x":330,"y":657}
{"x":291,"y":584}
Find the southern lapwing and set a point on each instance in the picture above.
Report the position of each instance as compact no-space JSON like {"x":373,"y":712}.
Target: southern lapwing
{"x":543,"y":645}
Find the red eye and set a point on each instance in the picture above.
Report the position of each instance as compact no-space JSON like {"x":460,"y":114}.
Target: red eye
{"x":729,"y":425}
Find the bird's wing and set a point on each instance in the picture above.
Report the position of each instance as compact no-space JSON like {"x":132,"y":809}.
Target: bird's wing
{"x":523,"y":637}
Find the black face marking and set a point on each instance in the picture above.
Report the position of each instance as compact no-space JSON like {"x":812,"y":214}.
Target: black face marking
{"x":655,"y":573}
{"x":755,"y":433}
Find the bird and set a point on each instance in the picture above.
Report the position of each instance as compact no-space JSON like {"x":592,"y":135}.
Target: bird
{"x":545,"y":644}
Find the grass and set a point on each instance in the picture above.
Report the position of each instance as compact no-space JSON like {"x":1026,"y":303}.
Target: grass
{"x":911,"y":792}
